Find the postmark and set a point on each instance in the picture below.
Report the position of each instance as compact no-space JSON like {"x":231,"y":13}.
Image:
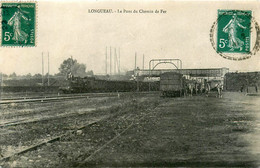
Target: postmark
{"x":235,"y":35}
{"x":18,"y":24}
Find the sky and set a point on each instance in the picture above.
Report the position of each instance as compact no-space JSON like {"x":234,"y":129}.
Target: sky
{"x":66,"y":28}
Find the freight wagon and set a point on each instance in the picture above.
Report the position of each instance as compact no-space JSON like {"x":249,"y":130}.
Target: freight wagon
{"x":172,"y":84}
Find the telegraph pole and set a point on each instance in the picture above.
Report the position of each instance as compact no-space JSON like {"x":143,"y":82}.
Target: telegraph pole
{"x":43,"y":88}
{"x":71,"y":65}
{"x":119,"y":61}
{"x":48,"y":70}
{"x":110,"y":61}
{"x":143,"y":61}
{"x":1,"y":86}
{"x":42,"y":70}
{"x":137,"y":82}
{"x":135,"y":59}
{"x":106,"y":60}
{"x":115,"y":62}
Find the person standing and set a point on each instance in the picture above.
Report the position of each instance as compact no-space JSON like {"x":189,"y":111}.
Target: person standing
{"x":207,"y":89}
{"x":220,"y":89}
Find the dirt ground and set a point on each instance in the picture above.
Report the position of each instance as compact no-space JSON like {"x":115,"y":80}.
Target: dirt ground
{"x":47,"y":120}
{"x":196,"y":131}
{"x":190,"y":132}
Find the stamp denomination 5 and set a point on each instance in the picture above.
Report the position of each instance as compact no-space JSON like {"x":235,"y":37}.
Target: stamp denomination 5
{"x":233,"y":33}
{"x":18,"y":24}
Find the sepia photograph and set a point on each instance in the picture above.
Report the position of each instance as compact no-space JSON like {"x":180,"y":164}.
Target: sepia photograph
{"x":159,"y":83}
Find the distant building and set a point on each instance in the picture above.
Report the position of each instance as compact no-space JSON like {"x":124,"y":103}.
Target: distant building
{"x":242,"y":81}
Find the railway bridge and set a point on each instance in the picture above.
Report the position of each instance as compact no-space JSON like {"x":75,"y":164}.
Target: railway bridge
{"x":177,"y":64}
{"x":208,"y":72}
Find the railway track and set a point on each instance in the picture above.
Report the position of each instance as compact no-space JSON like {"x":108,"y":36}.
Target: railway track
{"x":50,"y":140}
{"x":60,"y":137}
{"x":50,"y":96}
{"x":139,"y":119}
{"x":66,"y":135}
{"x":26,"y":121}
{"x":63,"y":97}
{"x":74,"y":131}
{"x":57,"y":98}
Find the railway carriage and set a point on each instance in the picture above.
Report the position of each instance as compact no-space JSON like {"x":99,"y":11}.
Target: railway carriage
{"x":91,"y":84}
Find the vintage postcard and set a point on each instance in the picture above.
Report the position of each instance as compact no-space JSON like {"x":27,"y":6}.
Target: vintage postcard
{"x":88,"y":83}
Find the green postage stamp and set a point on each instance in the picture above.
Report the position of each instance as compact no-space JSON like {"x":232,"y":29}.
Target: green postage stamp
{"x":233,"y":31}
{"x":18,"y":24}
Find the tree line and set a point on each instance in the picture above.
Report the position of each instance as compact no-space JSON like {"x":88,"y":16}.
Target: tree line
{"x":69,"y":67}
